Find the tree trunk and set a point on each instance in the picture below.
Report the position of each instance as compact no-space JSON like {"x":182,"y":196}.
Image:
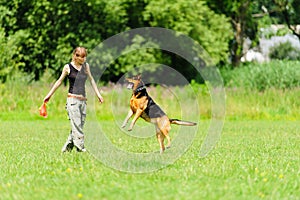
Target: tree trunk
{"x":237,"y":48}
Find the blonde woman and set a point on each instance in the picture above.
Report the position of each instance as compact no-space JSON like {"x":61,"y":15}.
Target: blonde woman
{"x":77,"y":72}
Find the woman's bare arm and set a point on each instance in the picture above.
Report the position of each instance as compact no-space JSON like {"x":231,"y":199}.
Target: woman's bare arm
{"x":59,"y":81}
{"x":94,"y":85}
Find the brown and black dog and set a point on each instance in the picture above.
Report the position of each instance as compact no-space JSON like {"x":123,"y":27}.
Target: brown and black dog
{"x":142,"y":105}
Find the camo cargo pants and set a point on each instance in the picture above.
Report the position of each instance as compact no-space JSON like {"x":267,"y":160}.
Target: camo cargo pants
{"x":77,"y":113}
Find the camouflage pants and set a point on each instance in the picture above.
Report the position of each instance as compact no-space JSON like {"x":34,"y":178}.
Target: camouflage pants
{"x":77,"y":113}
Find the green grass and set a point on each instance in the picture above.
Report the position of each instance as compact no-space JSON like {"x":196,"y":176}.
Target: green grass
{"x":256,"y":158}
{"x":253,"y":160}
{"x":277,"y":74}
{"x":21,"y":102}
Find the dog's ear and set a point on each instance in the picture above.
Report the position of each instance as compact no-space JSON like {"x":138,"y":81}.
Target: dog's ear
{"x":139,"y":76}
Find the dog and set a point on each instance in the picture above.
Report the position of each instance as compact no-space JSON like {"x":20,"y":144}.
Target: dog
{"x":142,"y":105}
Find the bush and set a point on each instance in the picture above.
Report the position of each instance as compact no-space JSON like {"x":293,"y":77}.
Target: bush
{"x":9,"y":54}
{"x":275,"y":74}
{"x":284,"y":51}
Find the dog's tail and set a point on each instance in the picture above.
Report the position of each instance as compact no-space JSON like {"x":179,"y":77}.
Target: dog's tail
{"x":181,"y":122}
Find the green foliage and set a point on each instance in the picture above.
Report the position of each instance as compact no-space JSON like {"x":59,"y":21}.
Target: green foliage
{"x":243,"y":101}
{"x":136,"y":57}
{"x":10,"y":56}
{"x":284,"y":51}
{"x":275,"y":74}
{"x":243,"y":24}
{"x":9,"y":45}
{"x":289,"y":9}
{"x":264,"y":30}
{"x":53,"y":29}
{"x":195,"y":19}
{"x":282,"y":12}
{"x":41,"y":35}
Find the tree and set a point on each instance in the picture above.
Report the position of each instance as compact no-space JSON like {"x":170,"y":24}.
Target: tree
{"x":56,"y":27}
{"x":289,"y":11}
{"x":193,"y":18}
{"x":280,"y":12}
{"x":46,"y":31}
{"x":10,"y":58}
{"x":242,"y":22}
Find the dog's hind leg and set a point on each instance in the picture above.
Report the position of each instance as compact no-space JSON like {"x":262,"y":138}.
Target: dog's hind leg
{"x":169,"y":141}
{"x":164,"y":126}
{"x":160,"y":138}
{"x":165,"y":134}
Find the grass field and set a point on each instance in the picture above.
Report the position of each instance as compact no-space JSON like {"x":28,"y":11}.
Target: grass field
{"x":258,"y":156}
{"x":253,"y":160}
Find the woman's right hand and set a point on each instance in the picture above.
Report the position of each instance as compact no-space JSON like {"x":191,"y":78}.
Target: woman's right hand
{"x":46,"y":99}
{"x":100,"y":98}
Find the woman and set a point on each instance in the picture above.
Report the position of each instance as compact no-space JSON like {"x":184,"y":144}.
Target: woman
{"x":77,"y":72}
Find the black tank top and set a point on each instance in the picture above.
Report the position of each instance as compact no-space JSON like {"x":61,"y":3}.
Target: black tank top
{"x":77,"y":80}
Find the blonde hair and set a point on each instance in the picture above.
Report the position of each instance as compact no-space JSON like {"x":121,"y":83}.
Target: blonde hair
{"x":81,"y":50}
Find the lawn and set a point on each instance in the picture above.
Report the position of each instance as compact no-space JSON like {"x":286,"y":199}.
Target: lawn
{"x":253,"y":160}
{"x":257,"y":157}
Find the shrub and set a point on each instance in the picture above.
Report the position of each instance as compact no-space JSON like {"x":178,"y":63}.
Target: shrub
{"x":284,"y":51}
{"x":9,"y":54}
{"x":276,"y":74}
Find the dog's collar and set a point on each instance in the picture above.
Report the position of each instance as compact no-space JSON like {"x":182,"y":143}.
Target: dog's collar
{"x":139,"y":89}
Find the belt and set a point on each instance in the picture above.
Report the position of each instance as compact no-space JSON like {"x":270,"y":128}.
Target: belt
{"x":77,"y":97}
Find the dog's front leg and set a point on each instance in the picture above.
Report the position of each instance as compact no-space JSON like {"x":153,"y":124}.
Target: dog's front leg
{"x":136,"y":116}
{"x":130,"y":113}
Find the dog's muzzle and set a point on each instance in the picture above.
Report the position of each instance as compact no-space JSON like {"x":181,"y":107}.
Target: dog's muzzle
{"x":130,"y":86}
